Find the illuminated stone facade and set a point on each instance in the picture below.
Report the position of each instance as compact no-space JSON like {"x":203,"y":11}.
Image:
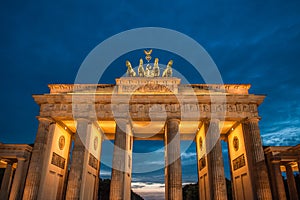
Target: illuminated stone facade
{"x":283,"y":159}
{"x":116,"y":112}
{"x":14,"y":159}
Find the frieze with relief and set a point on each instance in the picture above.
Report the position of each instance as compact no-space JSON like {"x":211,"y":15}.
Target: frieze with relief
{"x":190,"y":107}
{"x":148,"y":88}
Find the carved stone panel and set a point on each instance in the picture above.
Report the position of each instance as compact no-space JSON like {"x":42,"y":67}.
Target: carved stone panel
{"x":202,"y":163}
{"x":239,"y":162}
{"x":58,"y":160}
{"x":93,"y":162}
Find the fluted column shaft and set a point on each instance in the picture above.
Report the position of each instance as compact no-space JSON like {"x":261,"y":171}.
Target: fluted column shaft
{"x":231,"y":172}
{"x":215,"y":162}
{"x":120,"y":187}
{"x":37,"y":157}
{"x":174,"y":171}
{"x":6,"y":181}
{"x":260,"y":179}
{"x":15,"y":188}
{"x":279,"y":182}
{"x":97,"y":181}
{"x":291,"y":183}
{"x":78,"y":157}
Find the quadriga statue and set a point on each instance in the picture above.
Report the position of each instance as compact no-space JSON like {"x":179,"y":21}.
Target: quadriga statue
{"x":168,"y":71}
{"x":141,"y":70}
{"x":156,"y":70}
{"x":130,"y":71}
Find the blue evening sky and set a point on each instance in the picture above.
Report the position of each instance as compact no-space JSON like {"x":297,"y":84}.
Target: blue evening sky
{"x":256,"y":42}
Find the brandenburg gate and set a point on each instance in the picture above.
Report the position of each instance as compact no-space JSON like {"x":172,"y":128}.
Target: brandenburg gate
{"x":74,"y":119}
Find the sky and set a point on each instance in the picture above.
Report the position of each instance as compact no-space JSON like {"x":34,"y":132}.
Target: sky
{"x":256,"y":42}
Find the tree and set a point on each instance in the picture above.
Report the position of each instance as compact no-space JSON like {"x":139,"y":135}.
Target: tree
{"x":104,"y":189}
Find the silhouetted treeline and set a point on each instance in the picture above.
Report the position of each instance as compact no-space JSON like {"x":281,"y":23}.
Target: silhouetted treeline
{"x":191,"y":191}
{"x":104,"y":188}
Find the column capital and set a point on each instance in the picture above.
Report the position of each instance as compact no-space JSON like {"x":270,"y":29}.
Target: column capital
{"x":45,"y":119}
{"x":9,"y":162}
{"x":122,"y":123}
{"x":253,"y":119}
{"x":276,"y":161}
{"x":211,"y":124}
{"x":173,"y":119}
{"x":21,"y":159}
{"x":122,"y":119}
{"x":208,"y":121}
{"x":214,"y":120}
{"x":288,"y":164}
{"x":82,"y":119}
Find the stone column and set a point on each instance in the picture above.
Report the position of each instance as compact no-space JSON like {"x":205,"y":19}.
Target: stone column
{"x":78,"y":161}
{"x":215,"y":162}
{"x":120,"y":187}
{"x":96,"y":186}
{"x":25,"y":170}
{"x":173,"y":186}
{"x":36,"y":165}
{"x":231,"y":172}
{"x":6,"y":181}
{"x":198,"y":153}
{"x":259,"y":173}
{"x":166,"y":163}
{"x":15,"y":189}
{"x":279,"y":181}
{"x":97,"y":182}
{"x":291,"y":182}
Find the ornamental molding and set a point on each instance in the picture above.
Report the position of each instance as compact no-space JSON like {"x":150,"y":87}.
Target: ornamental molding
{"x":150,"y":85}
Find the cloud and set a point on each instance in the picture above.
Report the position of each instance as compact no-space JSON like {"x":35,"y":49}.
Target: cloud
{"x":105,"y":173}
{"x":188,"y":155}
{"x":286,"y":136}
{"x":149,"y":190}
